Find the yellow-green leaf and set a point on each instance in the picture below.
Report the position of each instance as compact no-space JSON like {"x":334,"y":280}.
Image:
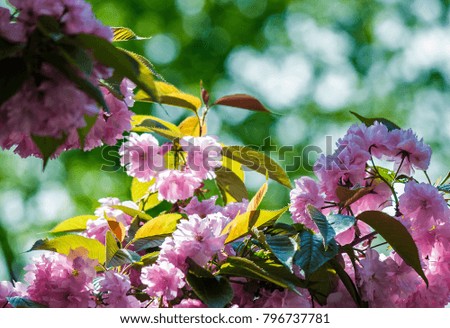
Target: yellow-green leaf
{"x":125,"y":34}
{"x":242,"y":224}
{"x":159,"y":226}
{"x":140,"y":193}
{"x":256,"y":200}
{"x":77,"y":223}
{"x":191,"y":127}
{"x":133,"y":212}
{"x":232,"y":187}
{"x":230,"y":180}
{"x":170,"y":95}
{"x":147,"y":123}
{"x":64,"y":244}
{"x":258,"y":162}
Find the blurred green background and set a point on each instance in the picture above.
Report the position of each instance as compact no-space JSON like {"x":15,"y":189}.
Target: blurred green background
{"x":310,"y":61}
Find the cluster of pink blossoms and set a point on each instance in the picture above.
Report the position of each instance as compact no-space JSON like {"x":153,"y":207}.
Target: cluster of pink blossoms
{"x":48,"y":104}
{"x":146,"y":160}
{"x":385,"y":281}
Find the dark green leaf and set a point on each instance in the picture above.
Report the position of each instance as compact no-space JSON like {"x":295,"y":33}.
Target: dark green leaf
{"x":322,"y":223}
{"x":283,"y":247}
{"x":395,"y":233}
{"x":348,"y":282}
{"x":13,"y":74}
{"x":123,"y":64}
{"x":65,"y":66}
{"x":147,"y":243}
{"x":21,"y":302}
{"x":341,"y":223}
{"x":49,"y":26}
{"x":214,"y":291}
{"x":445,"y":188}
{"x":8,"y":49}
{"x":312,"y":254}
{"x":370,"y":121}
{"x":260,"y":269}
{"x":321,"y":283}
{"x":84,"y":131}
{"x":258,"y":162}
{"x":48,"y":146}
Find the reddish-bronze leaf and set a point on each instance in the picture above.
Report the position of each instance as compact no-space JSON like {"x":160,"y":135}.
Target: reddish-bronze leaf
{"x":242,"y":101}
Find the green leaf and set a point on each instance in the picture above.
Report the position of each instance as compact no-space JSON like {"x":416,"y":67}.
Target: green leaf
{"x":242,"y":224}
{"x":190,"y":126}
{"x":111,"y":247}
{"x":340,"y":223}
{"x":348,"y":282}
{"x":386,"y":174}
{"x":116,"y":256}
{"x":140,"y":193}
{"x":148,"y":259}
{"x":21,"y":302}
{"x":50,"y":27}
{"x":64,"y":244}
{"x":257,"y":199}
{"x":84,"y":131}
{"x":48,"y":146}
{"x":322,"y":283}
{"x":232,"y":187}
{"x":258,"y":269}
{"x":65,"y":65}
{"x":322,"y":223}
{"x":75,"y":224}
{"x":283,"y":247}
{"x":159,"y":226}
{"x":8,"y":49}
{"x":170,"y":95}
{"x":370,"y":121}
{"x":395,"y":233}
{"x":147,"y":123}
{"x":123,"y":64}
{"x":125,"y":34}
{"x":214,"y":291}
{"x":312,"y":254}
{"x":133,"y":212}
{"x":242,"y":101}
{"x":445,"y":188}
{"x":258,"y":162}
{"x":13,"y":74}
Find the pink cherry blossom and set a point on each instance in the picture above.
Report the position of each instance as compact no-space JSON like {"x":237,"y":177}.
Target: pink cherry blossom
{"x":142,"y":156}
{"x":10,"y":31}
{"x":190,"y":303}
{"x":306,"y":192}
{"x":163,"y":280}
{"x":283,"y":299}
{"x":174,"y":185}
{"x":204,"y":155}
{"x":203,"y":208}
{"x":199,"y":238}
{"x":62,"y":281}
{"x":7,"y":289}
{"x":408,"y":151}
{"x":114,"y":288}
{"x":424,"y":206}
{"x":231,"y":210}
